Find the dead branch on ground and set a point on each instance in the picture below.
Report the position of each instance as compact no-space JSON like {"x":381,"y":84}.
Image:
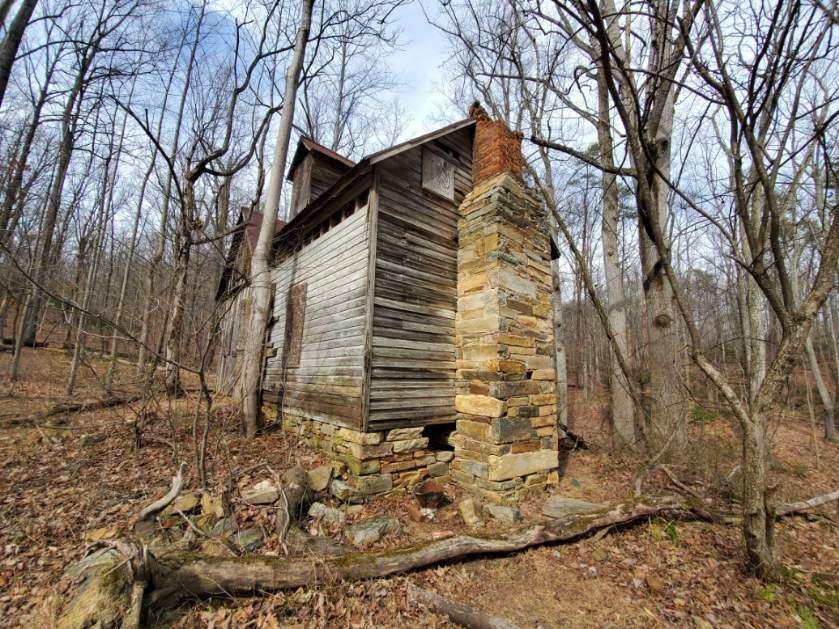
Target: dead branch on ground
{"x":180,"y":574}
{"x":460,"y":613}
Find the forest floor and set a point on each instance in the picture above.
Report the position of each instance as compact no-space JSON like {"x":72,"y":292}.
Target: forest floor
{"x":76,"y":478}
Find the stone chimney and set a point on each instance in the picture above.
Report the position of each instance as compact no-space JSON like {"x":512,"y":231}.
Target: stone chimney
{"x":506,"y":436}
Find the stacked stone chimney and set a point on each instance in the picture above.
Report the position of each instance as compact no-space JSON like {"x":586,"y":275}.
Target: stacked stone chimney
{"x":506,"y":437}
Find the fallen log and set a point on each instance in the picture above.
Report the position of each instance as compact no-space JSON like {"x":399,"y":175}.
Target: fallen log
{"x":72,"y":407}
{"x":180,"y":575}
{"x":465,"y":615}
{"x":792,"y":508}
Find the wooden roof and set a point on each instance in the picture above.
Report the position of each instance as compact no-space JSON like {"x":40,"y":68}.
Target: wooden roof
{"x":308,"y":145}
{"x":362,"y":168}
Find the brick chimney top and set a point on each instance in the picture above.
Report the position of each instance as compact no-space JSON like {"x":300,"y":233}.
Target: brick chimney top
{"x":496,"y":150}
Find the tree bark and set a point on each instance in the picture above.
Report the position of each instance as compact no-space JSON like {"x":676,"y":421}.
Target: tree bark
{"x":758,"y":511}
{"x":8,"y":50}
{"x":621,"y":405}
{"x":561,"y":378}
{"x":260,"y":272}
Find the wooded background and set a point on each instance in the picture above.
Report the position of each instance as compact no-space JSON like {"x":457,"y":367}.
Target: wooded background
{"x":686,"y":152}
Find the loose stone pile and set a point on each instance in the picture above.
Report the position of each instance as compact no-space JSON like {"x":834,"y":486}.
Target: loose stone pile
{"x":372,"y":462}
{"x":506,"y":438}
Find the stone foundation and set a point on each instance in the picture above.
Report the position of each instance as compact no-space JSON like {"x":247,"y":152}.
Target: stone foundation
{"x":369,"y":463}
{"x":506,"y":438}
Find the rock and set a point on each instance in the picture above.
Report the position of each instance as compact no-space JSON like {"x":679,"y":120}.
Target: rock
{"x":430,"y":494}
{"x":438,"y":469}
{"x":375,"y":484}
{"x":250,"y":539}
{"x":560,"y":506}
{"x":185,"y":503}
{"x":510,"y":515}
{"x":444,"y":456}
{"x":300,"y":542}
{"x":543,"y":374}
{"x":591,"y":572}
{"x":372,"y":530}
{"x":479,"y":405}
{"x":213,"y":504}
{"x":223,"y":527}
{"x":511,"y":465}
{"x":214,"y":548}
{"x":469,"y":513}
{"x":345,"y":492}
{"x":354,"y":509}
{"x":409,"y":445}
{"x":398,"y":434}
{"x":319,"y":478}
{"x":328,"y":514}
{"x":263,"y":493}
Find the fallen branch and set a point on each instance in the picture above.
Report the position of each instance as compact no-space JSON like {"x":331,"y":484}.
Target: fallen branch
{"x":460,"y":613}
{"x":179,"y":575}
{"x":792,"y":508}
{"x":159,"y":505}
{"x":73,"y":407}
{"x":190,"y":575}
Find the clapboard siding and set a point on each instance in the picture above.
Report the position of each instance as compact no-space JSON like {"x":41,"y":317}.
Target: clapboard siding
{"x":327,"y":382}
{"x":413,"y":349}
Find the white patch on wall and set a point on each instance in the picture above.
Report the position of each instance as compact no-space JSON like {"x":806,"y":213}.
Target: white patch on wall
{"x":437,"y":175}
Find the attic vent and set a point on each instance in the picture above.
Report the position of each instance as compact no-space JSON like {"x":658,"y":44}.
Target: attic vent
{"x":437,"y":175}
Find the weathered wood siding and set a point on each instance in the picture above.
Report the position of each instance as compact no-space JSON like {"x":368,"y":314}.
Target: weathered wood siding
{"x":235,"y":313}
{"x":312,"y":177}
{"x":413,"y":351}
{"x":326,"y":383}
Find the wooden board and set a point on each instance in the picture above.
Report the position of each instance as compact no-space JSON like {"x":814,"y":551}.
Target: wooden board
{"x":325,"y":382}
{"x":412,"y":351}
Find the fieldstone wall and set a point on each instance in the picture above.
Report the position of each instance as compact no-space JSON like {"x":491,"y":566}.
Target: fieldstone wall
{"x":369,"y":463}
{"x":506,"y":437}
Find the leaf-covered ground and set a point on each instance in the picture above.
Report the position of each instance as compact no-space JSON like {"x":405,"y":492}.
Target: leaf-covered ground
{"x":74,"y":478}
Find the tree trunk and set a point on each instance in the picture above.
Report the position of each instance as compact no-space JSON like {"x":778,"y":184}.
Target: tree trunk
{"x":559,"y":351}
{"x":821,"y":387}
{"x":260,"y":273}
{"x":621,"y":405}
{"x":65,"y":152}
{"x":665,"y":424}
{"x":8,"y":50}
{"x":758,"y":512}
{"x":160,"y":247}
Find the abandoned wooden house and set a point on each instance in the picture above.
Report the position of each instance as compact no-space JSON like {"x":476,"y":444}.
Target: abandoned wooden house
{"x":412,"y":329}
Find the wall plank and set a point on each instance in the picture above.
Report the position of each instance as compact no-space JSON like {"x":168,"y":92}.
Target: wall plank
{"x":413,"y":352}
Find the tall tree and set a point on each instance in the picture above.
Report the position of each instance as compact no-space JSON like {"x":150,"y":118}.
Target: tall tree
{"x":259,"y":271}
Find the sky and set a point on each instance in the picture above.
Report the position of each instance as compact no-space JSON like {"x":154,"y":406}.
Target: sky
{"x":418,"y":63}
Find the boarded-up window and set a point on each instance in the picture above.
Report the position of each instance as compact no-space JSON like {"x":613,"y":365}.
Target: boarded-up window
{"x":437,"y":174}
{"x":295,"y":316}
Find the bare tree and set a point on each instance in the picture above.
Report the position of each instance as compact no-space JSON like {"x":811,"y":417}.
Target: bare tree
{"x":259,"y":272}
{"x":11,"y":42}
